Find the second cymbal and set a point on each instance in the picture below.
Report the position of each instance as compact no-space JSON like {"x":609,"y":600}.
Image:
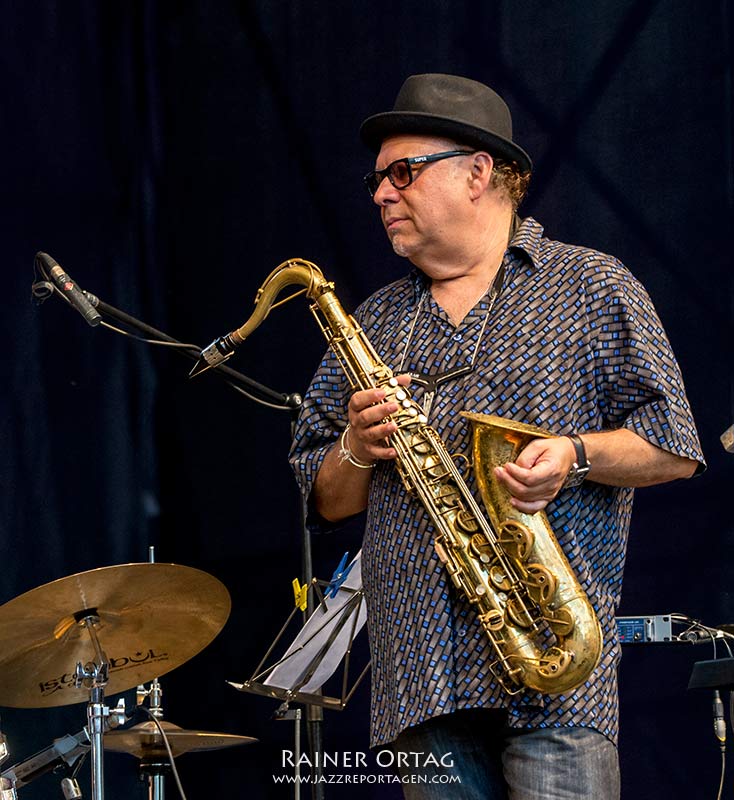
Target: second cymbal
{"x":145,"y":740}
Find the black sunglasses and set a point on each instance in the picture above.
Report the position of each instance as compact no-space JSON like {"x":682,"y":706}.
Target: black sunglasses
{"x":402,"y":173}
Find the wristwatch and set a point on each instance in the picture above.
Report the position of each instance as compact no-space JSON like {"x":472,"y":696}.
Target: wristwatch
{"x":580,"y":468}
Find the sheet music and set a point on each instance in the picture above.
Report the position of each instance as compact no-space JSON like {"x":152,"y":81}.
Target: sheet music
{"x":310,"y":650}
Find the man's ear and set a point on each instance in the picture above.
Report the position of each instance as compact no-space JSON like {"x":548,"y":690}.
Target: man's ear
{"x":481,"y":173}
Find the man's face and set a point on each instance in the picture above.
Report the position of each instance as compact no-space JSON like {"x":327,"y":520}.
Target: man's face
{"x":423,"y":219}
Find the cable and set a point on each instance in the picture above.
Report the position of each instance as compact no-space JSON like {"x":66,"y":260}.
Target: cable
{"x":181,"y":345}
{"x":174,"y":770}
{"x":723,"y":772}
{"x":41,"y":290}
{"x":720,"y":733}
{"x":695,"y":627}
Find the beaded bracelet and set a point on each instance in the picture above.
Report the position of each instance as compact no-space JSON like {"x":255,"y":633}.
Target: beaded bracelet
{"x":345,"y":453}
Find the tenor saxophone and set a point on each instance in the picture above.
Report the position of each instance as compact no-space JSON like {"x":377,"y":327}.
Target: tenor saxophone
{"x":541,"y":626}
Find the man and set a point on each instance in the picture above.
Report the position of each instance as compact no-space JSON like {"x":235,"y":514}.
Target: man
{"x":494,"y":318}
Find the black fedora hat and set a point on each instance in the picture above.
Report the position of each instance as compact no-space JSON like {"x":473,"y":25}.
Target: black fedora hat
{"x":451,"y":106}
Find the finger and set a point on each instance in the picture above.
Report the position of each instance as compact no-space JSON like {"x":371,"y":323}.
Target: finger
{"x":365,"y":398}
{"x":374,"y":434}
{"x":542,"y":472}
{"x":523,"y":491}
{"x":515,"y":487}
{"x":369,"y":443}
{"x":532,"y":452}
{"x":528,"y":507}
{"x":373,"y":414}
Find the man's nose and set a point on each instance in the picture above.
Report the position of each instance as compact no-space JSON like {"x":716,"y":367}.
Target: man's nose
{"x":386,"y":193}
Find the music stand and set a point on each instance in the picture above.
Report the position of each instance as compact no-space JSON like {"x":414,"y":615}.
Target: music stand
{"x":321,"y":645}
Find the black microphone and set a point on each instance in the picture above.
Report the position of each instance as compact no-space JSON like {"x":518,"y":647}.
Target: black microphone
{"x":69,"y":289}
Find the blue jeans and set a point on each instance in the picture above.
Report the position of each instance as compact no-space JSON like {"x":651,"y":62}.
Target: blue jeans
{"x":495,"y":762}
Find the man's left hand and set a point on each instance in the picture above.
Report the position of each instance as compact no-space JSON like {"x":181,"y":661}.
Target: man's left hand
{"x":538,"y":473}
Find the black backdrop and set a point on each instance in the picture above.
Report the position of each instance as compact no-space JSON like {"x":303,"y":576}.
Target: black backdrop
{"x":170,"y":154}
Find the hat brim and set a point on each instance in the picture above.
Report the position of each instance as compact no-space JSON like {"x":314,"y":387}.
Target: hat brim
{"x":392,"y":123}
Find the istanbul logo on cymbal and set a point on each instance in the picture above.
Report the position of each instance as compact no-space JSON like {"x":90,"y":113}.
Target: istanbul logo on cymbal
{"x":68,"y":679}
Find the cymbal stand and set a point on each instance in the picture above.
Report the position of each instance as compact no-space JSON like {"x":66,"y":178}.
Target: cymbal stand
{"x":154,"y":770}
{"x":7,"y":790}
{"x":94,"y":676}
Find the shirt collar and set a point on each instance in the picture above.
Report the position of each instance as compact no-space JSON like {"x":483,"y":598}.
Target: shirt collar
{"x":527,"y":240}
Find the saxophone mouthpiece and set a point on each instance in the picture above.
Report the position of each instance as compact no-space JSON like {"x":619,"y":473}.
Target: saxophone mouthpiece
{"x":214,"y":355}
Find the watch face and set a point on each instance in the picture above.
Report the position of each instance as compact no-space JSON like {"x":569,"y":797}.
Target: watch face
{"x":575,"y":477}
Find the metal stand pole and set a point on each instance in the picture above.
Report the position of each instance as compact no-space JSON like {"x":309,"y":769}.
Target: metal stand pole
{"x":156,"y":779}
{"x":95,"y":676}
{"x":285,"y":713}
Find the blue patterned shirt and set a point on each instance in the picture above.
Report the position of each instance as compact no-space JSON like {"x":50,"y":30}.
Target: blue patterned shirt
{"x":572,"y":344}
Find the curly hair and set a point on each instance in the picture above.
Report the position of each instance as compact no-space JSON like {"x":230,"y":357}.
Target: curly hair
{"x":507,"y":178}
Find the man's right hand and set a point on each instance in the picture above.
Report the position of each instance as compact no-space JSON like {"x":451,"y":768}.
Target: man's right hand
{"x":367,"y":436}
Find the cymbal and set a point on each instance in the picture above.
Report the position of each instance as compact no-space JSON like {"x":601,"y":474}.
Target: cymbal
{"x":152,"y":618}
{"x":145,"y":740}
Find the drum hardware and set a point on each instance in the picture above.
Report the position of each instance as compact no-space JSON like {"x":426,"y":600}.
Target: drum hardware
{"x":157,"y":743}
{"x":67,"y":752}
{"x":70,"y":789}
{"x":153,"y":617}
{"x":7,"y":789}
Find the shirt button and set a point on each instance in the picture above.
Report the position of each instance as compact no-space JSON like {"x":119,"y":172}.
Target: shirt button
{"x":457,"y":337}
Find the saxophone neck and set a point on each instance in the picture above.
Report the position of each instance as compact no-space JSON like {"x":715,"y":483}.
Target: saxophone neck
{"x":294,"y":271}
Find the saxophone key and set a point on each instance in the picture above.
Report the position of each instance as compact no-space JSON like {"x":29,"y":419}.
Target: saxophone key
{"x":492,"y":619}
{"x":418,"y":444}
{"x":478,"y":544}
{"x":433,"y":467}
{"x":516,"y":539}
{"x":561,"y":621}
{"x":554,"y":662}
{"x":540,"y":583}
{"x":467,"y":522}
{"x":447,"y":496}
{"x":441,"y":553}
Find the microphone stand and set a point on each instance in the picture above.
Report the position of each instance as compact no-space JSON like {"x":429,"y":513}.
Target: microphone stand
{"x":287,"y":402}
{"x":276,"y":400}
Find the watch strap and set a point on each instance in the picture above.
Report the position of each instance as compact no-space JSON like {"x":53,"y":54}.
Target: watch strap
{"x":578,"y":445}
{"x":580,"y":468}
